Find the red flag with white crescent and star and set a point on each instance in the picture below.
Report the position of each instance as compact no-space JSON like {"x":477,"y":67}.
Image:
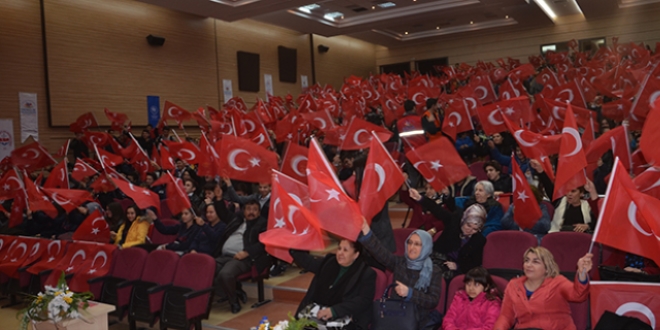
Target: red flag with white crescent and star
{"x":628,"y":218}
{"x":382,"y":178}
{"x":439,"y":163}
{"x":97,"y":264}
{"x":76,"y":255}
{"x":631,"y":299}
{"x":55,"y":251}
{"x":142,"y":197}
{"x":176,"y":113}
{"x":358,"y":134}
{"x":242,"y":159}
{"x":572,"y":161}
{"x":294,"y":162}
{"x":58,"y":177}
{"x":68,"y":199}
{"x":186,"y":151}
{"x":32,"y":157}
{"x":328,"y":199}
{"x":94,"y":228}
{"x":527,"y":210}
{"x":9,"y":184}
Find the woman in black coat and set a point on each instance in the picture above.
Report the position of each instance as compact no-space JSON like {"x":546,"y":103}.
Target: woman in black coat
{"x":461,"y":240}
{"x":343,"y":284}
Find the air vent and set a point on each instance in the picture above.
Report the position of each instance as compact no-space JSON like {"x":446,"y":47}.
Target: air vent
{"x":359,"y":9}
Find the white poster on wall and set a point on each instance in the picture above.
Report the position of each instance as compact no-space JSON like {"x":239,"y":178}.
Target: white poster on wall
{"x":227,"y":91}
{"x":268,"y":83}
{"x":6,"y":137}
{"x":303,"y":82}
{"x":29,"y":120}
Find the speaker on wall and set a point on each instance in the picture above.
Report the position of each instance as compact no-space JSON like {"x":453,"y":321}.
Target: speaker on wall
{"x":288,"y":59}
{"x":248,"y":71}
{"x":155,"y":40}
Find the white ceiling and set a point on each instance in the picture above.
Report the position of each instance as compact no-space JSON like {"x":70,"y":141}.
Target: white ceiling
{"x":407,"y":22}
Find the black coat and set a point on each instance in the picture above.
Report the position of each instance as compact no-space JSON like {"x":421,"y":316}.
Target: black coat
{"x":471,"y":254}
{"x":251,"y":243}
{"x":358,"y":294}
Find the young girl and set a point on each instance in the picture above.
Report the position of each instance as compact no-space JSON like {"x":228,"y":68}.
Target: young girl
{"x":134,"y":231}
{"x":476,"y":307}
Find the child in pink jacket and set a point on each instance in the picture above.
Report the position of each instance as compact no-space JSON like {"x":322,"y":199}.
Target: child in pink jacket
{"x":477,"y":307}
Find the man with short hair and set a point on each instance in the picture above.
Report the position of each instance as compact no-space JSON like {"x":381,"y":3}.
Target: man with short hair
{"x":263,"y":196}
{"x":239,"y":248}
{"x":501,"y":181}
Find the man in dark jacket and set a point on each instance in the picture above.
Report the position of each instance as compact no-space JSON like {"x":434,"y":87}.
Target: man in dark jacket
{"x":239,"y":248}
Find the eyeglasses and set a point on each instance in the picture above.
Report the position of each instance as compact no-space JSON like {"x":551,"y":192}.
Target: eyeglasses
{"x":417,"y":244}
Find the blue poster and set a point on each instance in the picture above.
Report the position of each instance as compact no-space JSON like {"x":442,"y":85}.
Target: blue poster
{"x":153,"y":110}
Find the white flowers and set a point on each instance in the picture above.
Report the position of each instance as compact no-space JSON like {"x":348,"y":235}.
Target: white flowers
{"x":282,"y":325}
{"x":59,"y":306}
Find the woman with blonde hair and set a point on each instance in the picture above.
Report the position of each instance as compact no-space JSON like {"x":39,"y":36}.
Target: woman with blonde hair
{"x":539,"y":299}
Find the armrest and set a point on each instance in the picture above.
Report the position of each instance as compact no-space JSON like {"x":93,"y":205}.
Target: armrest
{"x":45,"y":272}
{"x":197,"y":293}
{"x":68,"y":276}
{"x":126,"y":283}
{"x":97,"y":279}
{"x":158,"y":288}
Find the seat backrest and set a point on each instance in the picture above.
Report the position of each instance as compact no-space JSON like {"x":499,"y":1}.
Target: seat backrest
{"x":567,"y":248}
{"x":158,"y":238}
{"x":550,"y":207}
{"x":500,"y":282}
{"x":381,"y":283}
{"x":400,"y":236}
{"x":165,"y":212}
{"x":160,"y":267}
{"x":455,"y":285}
{"x":477,"y":170}
{"x":441,"y":306}
{"x":505,"y":249}
{"x":580,"y":314}
{"x":437,"y":235}
{"x":129,"y":263}
{"x":125,"y":203}
{"x":195,"y":271}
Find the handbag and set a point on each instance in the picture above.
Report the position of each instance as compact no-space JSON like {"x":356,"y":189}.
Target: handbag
{"x":393,"y":313}
{"x":613,"y":273}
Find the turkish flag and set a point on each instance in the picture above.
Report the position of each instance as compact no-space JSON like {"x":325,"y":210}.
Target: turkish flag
{"x":527,"y":210}
{"x":557,"y":110}
{"x":320,"y":119}
{"x":76,"y":256}
{"x":94,"y":228}
{"x":176,"y":113}
{"x":142,"y":164}
{"x":334,"y":137}
{"x":571,"y":93}
{"x":616,"y":140}
{"x":616,"y":110}
{"x":166,"y":160}
{"x":263,"y":112}
{"x":82,"y":170}
{"x":285,"y":127}
{"x":439,"y":163}
{"x":242,"y":159}
{"x":177,"y":199}
{"x":294,"y":162}
{"x":59,"y":177}
{"x":359,"y":127}
{"x":142,"y":197}
{"x":651,"y":134}
{"x":84,"y":121}
{"x":236,"y":103}
{"x":307,"y":103}
{"x":628,"y":218}
{"x":261,"y":137}
{"x":328,"y":199}
{"x":646,"y":97}
{"x":10,"y":183}
{"x":68,"y":199}
{"x":382,"y":179}
{"x":392,"y":110}
{"x":99,"y":139}
{"x":186,"y":151}
{"x":200,"y":118}
{"x":516,"y":109}
{"x":509,"y":90}
{"x":299,"y":192}
{"x":329,"y":103}
{"x":291,"y":224}
{"x":419,"y":94}
{"x":221,"y":128}
{"x":207,"y":158}
{"x":126,"y":152}
{"x":115,"y":117}
{"x":16,"y":254}
{"x":457,"y":118}
{"x":96,"y":265}
{"x":37,"y":250}
{"x":648,"y":181}
{"x":523,"y":72}
{"x":483,"y":89}
{"x":632,"y":299}
{"x":572,"y":161}
{"x":37,"y":201}
{"x":53,"y":254}
{"x":32,"y":157}
{"x":64,"y":149}
{"x":109,"y":159}
{"x":251,"y":121}
{"x":102,"y":184}
{"x":17,"y":206}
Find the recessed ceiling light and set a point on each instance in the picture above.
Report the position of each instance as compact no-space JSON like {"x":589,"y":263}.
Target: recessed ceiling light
{"x":471,"y":22}
{"x":386,"y":4}
{"x":333,"y":16}
{"x":507,"y":16}
{"x":406,"y":32}
{"x":308,"y":8}
{"x":373,"y":7}
{"x":437,"y":28}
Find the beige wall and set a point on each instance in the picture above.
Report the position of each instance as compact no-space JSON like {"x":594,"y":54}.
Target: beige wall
{"x":634,"y":24}
{"x":98,"y":57}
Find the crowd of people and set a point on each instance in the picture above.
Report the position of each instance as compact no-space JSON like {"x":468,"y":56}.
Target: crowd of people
{"x":227,"y":216}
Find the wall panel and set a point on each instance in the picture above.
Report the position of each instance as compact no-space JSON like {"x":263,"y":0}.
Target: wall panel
{"x":634,"y":24}
{"x":346,"y":56}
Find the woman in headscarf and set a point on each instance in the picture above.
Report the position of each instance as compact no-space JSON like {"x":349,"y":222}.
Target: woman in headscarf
{"x":417,"y":279}
{"x":461,"y":241}
{"x":343,"y":284}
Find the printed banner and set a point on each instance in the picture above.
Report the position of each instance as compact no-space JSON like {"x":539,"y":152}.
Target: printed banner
{"x":29,"y":119}
{"x":153,"y":110}
{"x":304,"y":83}
{"x":6,"y":137}
{"x":268,"y":83}
{"x":227,"y":91}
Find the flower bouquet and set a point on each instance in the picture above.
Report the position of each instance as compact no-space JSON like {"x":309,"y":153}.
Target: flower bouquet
{"x":56,"y":304}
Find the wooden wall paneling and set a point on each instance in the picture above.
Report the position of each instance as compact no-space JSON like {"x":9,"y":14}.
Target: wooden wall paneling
{"x":98,"y":57}
{"x":263,"y":39}
{"x":634,"y":24}
{"x":346,"y":56}
{"x":21,"y":55}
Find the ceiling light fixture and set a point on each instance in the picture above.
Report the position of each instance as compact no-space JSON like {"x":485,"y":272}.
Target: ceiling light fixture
{"x":308,"y":8}
{"x":333,"y":16}
{"x":406,"y":32}
{"x":546,"y":8}
{"x":387,"y":4}
{"x":507,"y":16}
{"x":373,"y":7}
{"x":471,"y":22}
